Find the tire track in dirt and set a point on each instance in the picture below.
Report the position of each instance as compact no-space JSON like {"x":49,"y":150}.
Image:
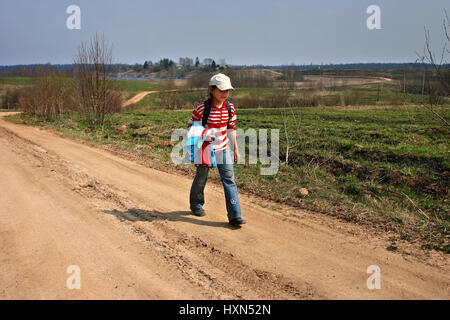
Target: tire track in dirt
{"x":217,"y":264}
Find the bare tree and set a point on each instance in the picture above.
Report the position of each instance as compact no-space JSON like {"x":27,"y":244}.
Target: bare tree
{"x":440,"y":89}
{"x":293,"y":141}
{"x":285,"y":121}
{"x":98,"y":95}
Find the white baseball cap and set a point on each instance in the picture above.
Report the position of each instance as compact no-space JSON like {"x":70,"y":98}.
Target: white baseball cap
{"x":221,"y":81}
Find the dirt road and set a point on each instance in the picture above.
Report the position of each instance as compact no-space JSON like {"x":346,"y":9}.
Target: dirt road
{"x":138,"y":97}
{"x":141,"y":95}
{"x":128,"y":229}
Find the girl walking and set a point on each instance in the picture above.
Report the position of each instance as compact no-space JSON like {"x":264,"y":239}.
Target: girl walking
{"x":221,"y":118}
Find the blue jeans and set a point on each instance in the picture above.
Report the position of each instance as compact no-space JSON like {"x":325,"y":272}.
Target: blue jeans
{"x":225,"y":166}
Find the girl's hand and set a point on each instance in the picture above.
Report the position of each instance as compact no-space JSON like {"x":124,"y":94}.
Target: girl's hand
{"x":210,"y":138}
{"x":237,"y":156}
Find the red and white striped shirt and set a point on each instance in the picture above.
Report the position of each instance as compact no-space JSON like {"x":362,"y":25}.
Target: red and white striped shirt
{"x":217,"y":122}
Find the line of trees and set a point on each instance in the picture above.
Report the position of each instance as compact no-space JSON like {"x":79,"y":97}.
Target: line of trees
{"x":170,"y":68}
{"x":363,"y":69}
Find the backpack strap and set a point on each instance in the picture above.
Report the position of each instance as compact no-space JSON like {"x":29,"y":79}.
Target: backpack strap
{"x":229,"y":110}
{"x":207,"y":110}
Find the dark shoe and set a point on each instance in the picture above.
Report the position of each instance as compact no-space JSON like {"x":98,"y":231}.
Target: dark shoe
{"x":237,"y":222}
{"x":198,"y":212}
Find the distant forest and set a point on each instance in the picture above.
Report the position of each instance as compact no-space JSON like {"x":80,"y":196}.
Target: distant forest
{"x":27,"y":70}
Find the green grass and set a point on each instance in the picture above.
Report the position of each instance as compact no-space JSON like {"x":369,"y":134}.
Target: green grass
{"x":129,"y":88}
{"x":16,"y":80}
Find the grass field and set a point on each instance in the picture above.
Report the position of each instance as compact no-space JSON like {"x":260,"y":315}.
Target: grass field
{"x":383,"y":166}
{"x":16,"y":81}
{"x":386,"y":94}
{"x":129,"y":88}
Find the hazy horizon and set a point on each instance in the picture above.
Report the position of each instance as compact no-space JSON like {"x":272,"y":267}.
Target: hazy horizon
{"x":241,"y":32}
{"x":248,"y":65}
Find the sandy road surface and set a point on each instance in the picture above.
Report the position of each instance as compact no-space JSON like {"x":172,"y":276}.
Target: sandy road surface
{"x":127,"y":227}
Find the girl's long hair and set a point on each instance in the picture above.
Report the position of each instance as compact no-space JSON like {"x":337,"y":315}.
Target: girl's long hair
{"x":210,"y":94}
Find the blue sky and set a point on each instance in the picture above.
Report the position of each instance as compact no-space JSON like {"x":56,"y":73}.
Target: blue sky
{"x":241,"y":32}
